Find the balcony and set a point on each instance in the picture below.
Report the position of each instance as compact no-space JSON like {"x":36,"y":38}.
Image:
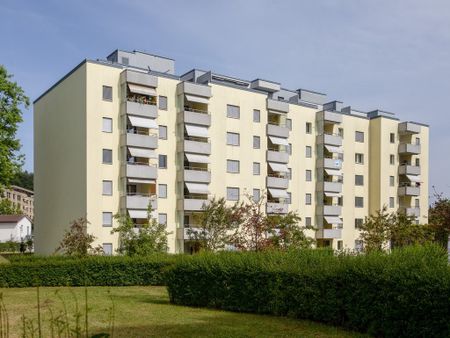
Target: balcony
{"x":406,"y":169}
{"x":408,"y":191}
{"x":277,"y":130}
{"x":191,"y":204}
{"x":331,"y":163}
{"x":409,"y":149}
{"x":197,"y":175}
{"x":140,"y":170}
{"x":141,"y":140}
{"x":408,"y":128}
{"x":332,"y":117}
{"x":329,"y":233}
{"x":195,"y":116}
{"x":139,"y":78}
{"x":141,"y":109}
{"x":277,"y":208}
{"x":277,"y":156}
{"x":277,"y":105}
{"x":411,"y":211}
{"x":138,"y":201}
{"x":329,"y":139}
{"x":330,"y":210}
{"x":277,"y":182}
{"x":332,"y":187}
{"x":192,"y":145}
{"x":194,"y":89}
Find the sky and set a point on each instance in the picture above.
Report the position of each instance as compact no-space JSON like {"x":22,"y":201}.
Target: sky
{"x":384,"y":54}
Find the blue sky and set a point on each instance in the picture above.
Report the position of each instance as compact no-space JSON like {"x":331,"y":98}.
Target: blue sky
{"x":391,"y":55}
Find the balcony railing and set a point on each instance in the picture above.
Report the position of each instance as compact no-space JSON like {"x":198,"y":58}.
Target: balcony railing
{"x":191,"y":167}
{"x":278,"y":124}
{"x":196,"y":139}
{"x":279,"y":150}
{"x":149,"y":132}
{"x":197,"y":110}
{"x":141,"y":163}
{"x":195,"y":197}
{"x":141,"y":100}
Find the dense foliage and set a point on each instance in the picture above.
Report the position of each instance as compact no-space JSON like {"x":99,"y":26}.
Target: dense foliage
{"x":77,"y":241}
{"x":8,"y":208}
{"x":25,"y":271}
{"x":23,"y":179}
{"x":439,"y":216}
{"x":405,"y":293}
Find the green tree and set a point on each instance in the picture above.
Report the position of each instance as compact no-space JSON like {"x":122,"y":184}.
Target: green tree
{"x":23,"y":179}
{"x":439,"y":219}
{"x":287,"y":233}
{"x":8,"y":208}
{"x":148,"y":238}
{"x":404,"y":231}
{"x":215,"y":225}
{"x":77,"y":241}
{"x":12,"y":100}
{"x":375,"y":230}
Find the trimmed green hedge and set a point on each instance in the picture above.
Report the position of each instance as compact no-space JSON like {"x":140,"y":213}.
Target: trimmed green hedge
{"x":404,"y":294}
{"x":95,"y":270}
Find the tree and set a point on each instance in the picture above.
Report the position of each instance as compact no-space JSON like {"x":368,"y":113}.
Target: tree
{"x":287,"y":233}
{"x":76,"y":240}
{"x":404,"y":231}
{"x":12,"y":99}
{"x":149,"y":238}
{"x":215,"y":225}
{"x":439,"y":219}
{"x":8,"y":208}
{"x":375,"y":230}
{"x":23,"y":179}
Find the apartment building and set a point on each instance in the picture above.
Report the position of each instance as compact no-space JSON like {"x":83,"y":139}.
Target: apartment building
{"x":21,"y":198}
{"x":119,"y":134}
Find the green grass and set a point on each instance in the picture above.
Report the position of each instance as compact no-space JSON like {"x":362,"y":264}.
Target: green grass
{"x":146,"y":312}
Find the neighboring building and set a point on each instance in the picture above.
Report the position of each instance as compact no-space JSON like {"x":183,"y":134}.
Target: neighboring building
{"x":115,"y":135}
{"x":22,"y":198}
{"x":14,"y":228}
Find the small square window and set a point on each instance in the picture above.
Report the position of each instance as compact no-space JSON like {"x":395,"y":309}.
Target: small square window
{"x":107,"y":188}
{"x":163,"y":132}
{"x":256,"y":195}
{"x":232,"y":166}
{"x":107,"y":219}
{"x":289,"y":124}
{"x":308,"y":221}
{"x":359,"y":180}
{"x":308,"y":175}
{"x":308,"y":151}
{"x":308,"y":199}
{"x":359,"y":158}
{"x":232,"y":194}
{"x":289,"y":148}
{"x":233,"y":139}
{"x":162,"y":161}
{"x":340,"y":245}
{"x":308,"y":127}
{"x":392,"y":137}
{"x":391,"y":181}
{"x":289,"y":198}
{"x":107,"y":156}
{"x":162,"y":219}
{"x":256,"y":142}
{"x":417,"y":203}
{"x":358,"y":223}
{"x":359,"y":136}
{"x":392,"y":159}
{"x":106,"y":125}
{"x":107,"y":249}
{"x":163,"y":103}
{"x":417,"y":141}
{"x":256,"y":115}
{"x":391,"y":202}
{"x":107,"y":93}
{"x":256,"y":168}
{"x":233,"y":111}
{"x":359,"y":202}
{"x":162,"y":190}
{"x":289,"y":173}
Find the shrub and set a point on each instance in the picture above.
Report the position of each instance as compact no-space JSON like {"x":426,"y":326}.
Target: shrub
{"x":93,"y":270}
{"x":406,"y":293}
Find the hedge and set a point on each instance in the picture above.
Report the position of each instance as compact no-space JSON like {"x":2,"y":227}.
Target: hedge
{"x":95,"y":270}
{"x":404,"y":294}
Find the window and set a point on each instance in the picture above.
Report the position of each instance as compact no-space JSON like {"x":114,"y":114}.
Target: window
{"x":163,"y":132}
{"x":308,"y":174}
{"x":417,"y":162}
{"x":107,"y":219}
{"x":232,"y":166}
{"x":359,"y":136}
{"x":308,"y":221}
{"x":289,"y":198}
{"x":417,"y":141}
{"x":125,"y":61}
{"x":358,"y":223}
{"x":107,"y":156}
{"x":341,"y":132}
{"x":256,"y":195}
{"x":392,"y":137}
{"x":289,"y":149}
{"x":256,"y":115}
{"x":256,"y":168}
{"x":340,"y":245}
{"x":106,"y":125}
{"x":308,"y":151}
{"x":233,"y":111}
{"x":359,"y":158}
{"x":417,"y":203}
{"x":392,"y":159}
{"x":107,"y":249}
{"x":162,"y":161}
{"x":359,"y":202}
{"x":162,"y":190}
{"x":308,"y":127}
{"x":308,"y":199}
{"x":107,"y":188}
{"x":107,"y":93}
{"x":391,"y":181}
{"x":391,"y":202}
{"x":256,"y":142}
{"x":232,"y":194}
{"x":290,"y":173}
{"x":359,"y":180}
{"x":233,"y":139}
{"x":163,"y":103}
{"x":359,"y":245}
{"x":289,"y":124}
{"x":162,"y":219}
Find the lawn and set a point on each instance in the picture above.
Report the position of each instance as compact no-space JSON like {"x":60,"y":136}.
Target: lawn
{"x":146,"y":312}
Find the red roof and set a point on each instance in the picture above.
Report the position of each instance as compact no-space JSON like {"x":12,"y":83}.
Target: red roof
{"x":11,"y":218}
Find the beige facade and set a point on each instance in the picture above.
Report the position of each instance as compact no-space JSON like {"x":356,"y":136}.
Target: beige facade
{"x":21,"y":198}
{"x":113,"y":136}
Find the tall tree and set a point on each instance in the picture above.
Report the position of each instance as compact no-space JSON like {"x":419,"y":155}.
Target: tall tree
{"x":439,"y":218}
{"x":8,"y":208}
{"x":23,"y":179}
{"x":76,"y":240}
{"x":12,"y":100}
{"x":375,"y":230}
